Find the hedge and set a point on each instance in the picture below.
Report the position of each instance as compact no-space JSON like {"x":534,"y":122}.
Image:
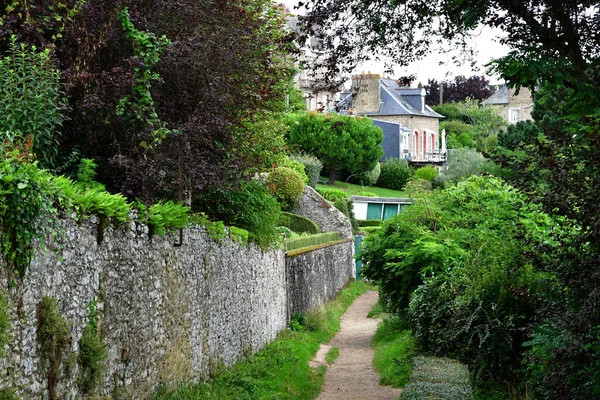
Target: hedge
{"x":313,"y":240}
{"x":370,"y":222}
{"x":298,"y":223}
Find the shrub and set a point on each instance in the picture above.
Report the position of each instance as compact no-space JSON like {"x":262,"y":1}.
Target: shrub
{"x":367,"y":178}
{"x":332,"y":194}
{"x":286,"y":185}
{"x":313,"y":240}
{"x":165,"y":216}
{"x":462,"y":163}
{"x":395,"y":174}
{"x":251,"y":207}
{"x":298,"y":223}
{"x":428,"y":173}
{"x":296,"y":166}
{"x":312,"y":167}
{"x":92,"y":353}
{"x":367,"y":194}
{"x":370,"y":222}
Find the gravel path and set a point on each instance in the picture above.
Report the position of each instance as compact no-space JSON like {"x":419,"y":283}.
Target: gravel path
{"x":351,"y":377}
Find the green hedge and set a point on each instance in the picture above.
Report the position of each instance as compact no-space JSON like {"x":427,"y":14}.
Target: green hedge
{"x":370,"y":222}
{"x":298,"y":223}
{"x":313,"y":240}
{"x":332,"y":194}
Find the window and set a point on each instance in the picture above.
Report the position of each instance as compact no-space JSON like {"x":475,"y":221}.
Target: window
{"x":513,"y":115}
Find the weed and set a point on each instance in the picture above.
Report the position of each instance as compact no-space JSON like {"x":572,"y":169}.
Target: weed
{"x":92,"y":353}
{"x":332,"y":355}
{"x":8,"y":394}
{"x":4,"y":323}
{"x":54,"y":338}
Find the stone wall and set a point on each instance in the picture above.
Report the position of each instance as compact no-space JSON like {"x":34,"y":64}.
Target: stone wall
{"x":167,"y":311}
{"x":303,"y":272}
{"x":313,"y":206}
{"x":414,"y":123}
{"x":367,"y":96}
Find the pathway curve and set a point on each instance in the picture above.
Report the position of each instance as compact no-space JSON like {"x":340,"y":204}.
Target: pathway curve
{"x":351,"y":377}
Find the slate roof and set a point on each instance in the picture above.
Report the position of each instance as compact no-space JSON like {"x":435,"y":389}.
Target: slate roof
{"x":394,"y":101}
{"x":501,"y":96}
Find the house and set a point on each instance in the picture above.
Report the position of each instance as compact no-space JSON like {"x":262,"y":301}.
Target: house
{"x":411,"y":128}
{"x":511,"y":106}
{"x":319,"y":95}
{"x":377,"y":208}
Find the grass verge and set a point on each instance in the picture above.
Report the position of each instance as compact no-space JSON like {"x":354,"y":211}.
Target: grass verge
{"x":332,"y":355}
{"x":394,"y":349}
{"x":280,"y":370}
{"x":353,"y":189}
{"x":438,"y":378}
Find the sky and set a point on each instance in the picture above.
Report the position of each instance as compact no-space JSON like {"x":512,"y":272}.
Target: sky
{"x":483,"y":42}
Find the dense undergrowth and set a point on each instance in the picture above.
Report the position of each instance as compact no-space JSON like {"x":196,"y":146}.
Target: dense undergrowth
{"x":280,"y":370}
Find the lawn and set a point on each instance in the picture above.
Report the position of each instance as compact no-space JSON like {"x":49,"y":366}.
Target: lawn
{"x":353,"y":189}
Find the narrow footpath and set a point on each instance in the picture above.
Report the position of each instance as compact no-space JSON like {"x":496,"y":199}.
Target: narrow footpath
{"x":351,"y":377}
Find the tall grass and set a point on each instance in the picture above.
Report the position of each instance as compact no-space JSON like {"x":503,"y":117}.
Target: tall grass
{"x":280,"y":370}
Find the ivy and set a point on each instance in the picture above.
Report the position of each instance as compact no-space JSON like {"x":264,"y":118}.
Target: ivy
{"x":147,"y":49}
{"x":92,"y":353}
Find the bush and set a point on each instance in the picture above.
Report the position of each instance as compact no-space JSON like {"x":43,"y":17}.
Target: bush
{"x":332,"y":194}
{"x":286,"y":185}
{"x":164,"y":216}
{"x":370,"y":222}
{"x":395,"y":174}
{"x":251,"y":207}
{"x":428,"y":173}
{"x":367,"y":194}
{"x":296,"y":166}
{"x":298,"y":223}
{"x":312,"y":167}
{"x":313,"y":240}
{"x":462,"y":163}
{"x":367,"y":178}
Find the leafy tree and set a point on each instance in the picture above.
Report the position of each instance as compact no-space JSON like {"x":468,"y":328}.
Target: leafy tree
{"x":462,"y":88}
{"x":340,"y":142}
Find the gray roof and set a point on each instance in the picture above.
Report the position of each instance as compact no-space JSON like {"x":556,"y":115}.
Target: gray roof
{"x":501,"y":96}
{"x":396,"y":100}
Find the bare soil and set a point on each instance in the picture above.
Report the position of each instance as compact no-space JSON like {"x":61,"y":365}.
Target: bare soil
{"x":351,"y":376}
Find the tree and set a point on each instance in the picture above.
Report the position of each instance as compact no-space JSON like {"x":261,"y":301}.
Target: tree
{"x":474,"y":87}
{"x":162,"y":97}
{"x":340,"y":142}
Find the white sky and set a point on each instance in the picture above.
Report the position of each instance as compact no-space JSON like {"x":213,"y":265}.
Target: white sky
{"x":483,"y":42}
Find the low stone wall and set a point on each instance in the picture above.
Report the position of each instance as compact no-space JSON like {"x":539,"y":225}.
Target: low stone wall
{"x":167,"y":311}
{"x":315,"y":277}
{"x":313,"y":206}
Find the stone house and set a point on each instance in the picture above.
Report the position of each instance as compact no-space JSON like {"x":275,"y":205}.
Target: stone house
{"x":411,"y":128}
{"x":510,"y":106}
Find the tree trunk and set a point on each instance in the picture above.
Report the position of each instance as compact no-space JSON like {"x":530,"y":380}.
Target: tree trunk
{"x":331,"y":176}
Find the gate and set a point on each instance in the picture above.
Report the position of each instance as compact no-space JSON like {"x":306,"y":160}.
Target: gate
{"x":357,"y":247}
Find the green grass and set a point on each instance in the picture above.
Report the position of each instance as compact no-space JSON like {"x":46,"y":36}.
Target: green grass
{"x":332,"y":355}
{"x":394,"y":351}
{"x":280,"y":370}
{"x":353,"y":189}
{"x":438,"y":379}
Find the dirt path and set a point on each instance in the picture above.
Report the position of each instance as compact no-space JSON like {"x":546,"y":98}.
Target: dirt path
{"x":351,"y":377}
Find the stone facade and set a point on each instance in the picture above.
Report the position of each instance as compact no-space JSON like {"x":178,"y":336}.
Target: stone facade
{"x":313,"y":206}
{"x":414,"y":123}
{"x":367,"y":97}
{"x":167,"y":311}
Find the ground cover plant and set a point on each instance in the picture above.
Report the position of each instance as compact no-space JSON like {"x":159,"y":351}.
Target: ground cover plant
{"x":394,"y":349}
{"x":281,"y":369}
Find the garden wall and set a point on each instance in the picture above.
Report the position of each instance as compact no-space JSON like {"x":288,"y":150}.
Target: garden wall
{"x":166,"y":311}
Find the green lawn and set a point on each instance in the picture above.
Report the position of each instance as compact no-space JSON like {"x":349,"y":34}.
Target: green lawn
{"x":353,"y":189}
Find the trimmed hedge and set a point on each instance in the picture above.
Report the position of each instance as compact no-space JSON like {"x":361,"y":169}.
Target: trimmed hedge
{"x":369,"y":229}
{"x":298,"y":223}
{"x":332,"y":194}
{"x":313,"y":240}
{"x":370,"y":222}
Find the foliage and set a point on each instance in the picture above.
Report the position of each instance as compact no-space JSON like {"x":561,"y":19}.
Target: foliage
{"x":5,"y":326}
{"x":519,"y":134}
{"x":312,"y":240}
{"x":486,"y":124}
{"x":475,"y":87}
{"x":458,"y":134}
{"x":367,"y":194}
{"x":165,"y":216}
{"x":297,"y":166}
{"x":367,"y":178}
{"x":286,"y":186}
{"x":394,"y":349}
{"x":27,"y":209}
{"x":428,"y":172}
{"x":92,"y":353}
{"x":340,"y":142}
{"x":332,"y":194}
{"x":370,"y":222}
{"x":395,"y":174}
{"x":298,"y":223}
{"x":31,"y":101}
{"x":251,"y":207}
{"x":53,"y":337}
{"x":451,"y":112}
{"x":437,"y":378}
{"x":460,"y":260}
{"x":462,"y":163}
{"x":355,"y":190}
{"x":312,"y":166}
{"x":332,"y":355}
{"x":281,"y":369}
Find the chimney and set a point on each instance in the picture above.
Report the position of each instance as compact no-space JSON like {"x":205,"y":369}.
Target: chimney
{"x":366,"y":93}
